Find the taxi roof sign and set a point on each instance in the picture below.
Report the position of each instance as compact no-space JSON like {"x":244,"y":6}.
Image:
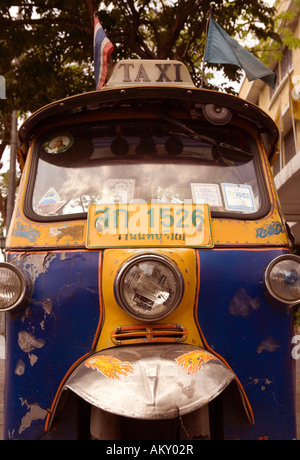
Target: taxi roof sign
{"x":148,"y":72}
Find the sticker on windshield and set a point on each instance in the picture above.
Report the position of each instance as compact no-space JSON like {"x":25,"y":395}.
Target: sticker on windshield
{"x":118,"y":190}
{"x":50,"y":203}
{"x":206,"y":193}
{"x":59,"y":144}
{"x":238,"y":197}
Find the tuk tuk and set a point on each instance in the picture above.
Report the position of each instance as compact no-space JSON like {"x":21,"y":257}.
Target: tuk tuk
{"x":149,"y":280}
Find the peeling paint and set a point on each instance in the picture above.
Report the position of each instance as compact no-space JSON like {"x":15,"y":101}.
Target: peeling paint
{"x":47,"y":307}
{"x":268,"y":344}
{"x":55,"y":231}
{"x":35,"y":412}
{"x":27,"y":342}
{"x":264,"y":383}
{"x":48,"y":259}
{"x":242,"y":304}
{"x":20,"y":367}
{"x":33,"y":359}
{"x":75,"y":233}
{"x":36,"y":264}
{"x":31,"y":234}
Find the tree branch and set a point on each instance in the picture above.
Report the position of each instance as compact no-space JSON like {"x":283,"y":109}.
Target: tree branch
{"x":4,"y":22}
{"x":91,"y":7}
{"x":185,"y":9}
{"x":135,"y":40}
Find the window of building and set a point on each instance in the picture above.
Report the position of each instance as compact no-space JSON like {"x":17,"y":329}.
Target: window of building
{"x":276,"y":167}
{"x":276,"y":71}
{"x":286,"y":63}
{"x":282,"y":69}
{"x":289,"y":146}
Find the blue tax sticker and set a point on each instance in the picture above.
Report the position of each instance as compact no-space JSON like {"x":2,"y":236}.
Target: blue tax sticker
{"x":238,"y":197}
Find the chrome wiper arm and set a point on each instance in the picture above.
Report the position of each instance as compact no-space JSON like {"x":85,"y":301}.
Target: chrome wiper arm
{"x":235,"y":149}
{"x":195,"y":135}
{"x":179,"y":124}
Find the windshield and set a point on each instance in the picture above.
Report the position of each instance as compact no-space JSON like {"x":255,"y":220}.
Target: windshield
{"x":150,"y":161}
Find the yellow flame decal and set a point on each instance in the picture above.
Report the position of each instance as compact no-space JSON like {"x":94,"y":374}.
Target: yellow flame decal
{"x":109,"y":366}
{"x":193,"y":361}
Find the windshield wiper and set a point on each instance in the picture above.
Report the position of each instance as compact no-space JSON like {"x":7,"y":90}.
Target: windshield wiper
{"x":235,"y":149}
{"x":179,"y":124}
{"x":197,"y":136}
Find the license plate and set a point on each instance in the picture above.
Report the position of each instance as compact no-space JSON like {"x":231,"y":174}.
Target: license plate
{"x":145,"y":225}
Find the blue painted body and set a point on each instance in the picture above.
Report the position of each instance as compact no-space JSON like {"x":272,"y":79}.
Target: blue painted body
{"x":236,"y":320}
{"x":66,"y":326}
{"x":253,"y":337}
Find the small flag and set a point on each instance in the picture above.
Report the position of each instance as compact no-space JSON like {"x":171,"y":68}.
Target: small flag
{"x":222,"y":49}
{"x":102,"y":49}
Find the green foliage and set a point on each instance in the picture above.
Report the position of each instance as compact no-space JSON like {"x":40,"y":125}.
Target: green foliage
{"x":46,"y":47}
{"x":272,"y":47}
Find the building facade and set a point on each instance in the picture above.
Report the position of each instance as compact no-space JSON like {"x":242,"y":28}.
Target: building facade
{"x":283,"y":104}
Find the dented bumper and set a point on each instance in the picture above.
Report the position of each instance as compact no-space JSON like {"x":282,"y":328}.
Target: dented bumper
{"x":151,"y":383}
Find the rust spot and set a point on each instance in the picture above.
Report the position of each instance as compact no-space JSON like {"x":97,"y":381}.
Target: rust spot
{"x":74,"y":233}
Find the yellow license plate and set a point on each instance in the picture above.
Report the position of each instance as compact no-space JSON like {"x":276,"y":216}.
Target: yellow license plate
{"x":147,"y":225}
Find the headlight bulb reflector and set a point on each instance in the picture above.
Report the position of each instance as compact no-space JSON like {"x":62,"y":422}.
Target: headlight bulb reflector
{"x":149,"y":287}
{"x":12,"y":286}
{"x":282,"y":279}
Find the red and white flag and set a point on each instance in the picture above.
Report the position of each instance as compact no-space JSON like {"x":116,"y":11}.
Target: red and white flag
{"x":102,"y":50}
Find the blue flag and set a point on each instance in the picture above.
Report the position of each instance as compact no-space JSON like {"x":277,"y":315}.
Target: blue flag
{"x":222,"y":49}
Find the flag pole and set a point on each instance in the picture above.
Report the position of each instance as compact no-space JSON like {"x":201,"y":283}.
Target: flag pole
{"x":211,"y":10}
{"x":293,"y":115}
{"x":280,"y":133}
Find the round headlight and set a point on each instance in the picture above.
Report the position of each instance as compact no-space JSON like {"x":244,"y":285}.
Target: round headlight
{"x":149,"y":287}
{"x":12,"y":286}
{"x":282,"y":279}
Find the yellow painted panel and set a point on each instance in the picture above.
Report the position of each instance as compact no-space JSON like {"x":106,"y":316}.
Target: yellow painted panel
{"x":226,"y":232}
{"x":115,"y":316}
{"x":269,"y":231}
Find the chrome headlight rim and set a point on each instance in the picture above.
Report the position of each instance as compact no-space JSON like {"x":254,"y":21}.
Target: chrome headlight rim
{"x":24,"y":288}
{"x":280,"y":300}
{"x":144,"y":257}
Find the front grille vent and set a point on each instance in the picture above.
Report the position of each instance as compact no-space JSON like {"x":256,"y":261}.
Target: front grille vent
{"x":149,"y":333}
